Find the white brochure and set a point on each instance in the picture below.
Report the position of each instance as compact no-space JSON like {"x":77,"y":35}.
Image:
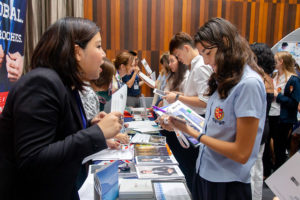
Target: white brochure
{"x":146,"y":66}
{"x":148,"y":80}
{"x":118,"y":100}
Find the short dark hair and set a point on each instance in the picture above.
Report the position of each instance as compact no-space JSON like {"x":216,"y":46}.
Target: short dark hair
{"x":180,"y":39}
{"x":132,"y":53}
{"x":265,"y":57}
{"x":56,"y":48}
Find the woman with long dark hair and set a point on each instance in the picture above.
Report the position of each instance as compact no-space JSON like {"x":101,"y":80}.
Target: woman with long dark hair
{"x":45,"y":134}
{"x":234,"y":118}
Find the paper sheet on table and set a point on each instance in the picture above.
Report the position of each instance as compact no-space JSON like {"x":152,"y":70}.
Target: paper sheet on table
{"x":126,"y":153}
{"x":147,"y":79}
{"x":118,"y":100}
{"x":285,"y":182}
{"x":144,"y":126}
{"x":171,"y":191}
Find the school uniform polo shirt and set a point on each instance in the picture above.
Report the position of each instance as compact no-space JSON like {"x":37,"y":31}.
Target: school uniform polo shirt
{"x":246,"y":99}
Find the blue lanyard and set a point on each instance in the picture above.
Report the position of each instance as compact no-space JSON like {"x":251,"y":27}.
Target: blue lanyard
{"x":78,"y":100}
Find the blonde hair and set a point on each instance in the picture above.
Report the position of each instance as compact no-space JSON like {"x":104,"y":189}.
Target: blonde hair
{"x":288,"y":62}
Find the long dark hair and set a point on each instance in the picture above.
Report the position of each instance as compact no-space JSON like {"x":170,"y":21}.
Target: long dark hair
{"x":232,"y":54}
{"x":56,"y":48}
{"x":178,"y":76}
{"x":108,"y":71}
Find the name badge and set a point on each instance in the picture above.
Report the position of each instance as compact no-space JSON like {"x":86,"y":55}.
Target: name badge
{"x":136,"y":86}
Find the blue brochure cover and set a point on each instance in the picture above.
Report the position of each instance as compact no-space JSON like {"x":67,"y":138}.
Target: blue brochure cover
{"x":106,"y":181}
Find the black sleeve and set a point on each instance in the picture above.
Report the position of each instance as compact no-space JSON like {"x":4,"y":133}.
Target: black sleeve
{"x":39,"y":106}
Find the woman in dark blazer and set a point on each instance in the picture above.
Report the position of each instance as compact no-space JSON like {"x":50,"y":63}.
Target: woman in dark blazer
{"x":44,"y":134}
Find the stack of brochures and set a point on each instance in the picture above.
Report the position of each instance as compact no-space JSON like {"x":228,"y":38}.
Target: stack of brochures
{"x":171,"y":190}
{"x":155,"y":160}
{"x":148,"y":139}
{"x":150,"y":150}
{"x":135,"y":189}
{"x":159,"y":172}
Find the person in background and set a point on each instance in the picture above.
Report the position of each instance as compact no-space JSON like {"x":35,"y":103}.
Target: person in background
{"x":45,"y":134}
{"x":92,"y":104}
{"x":164,"y":73}
{"x":177,"y":79}
{"x":182,"y":47}
{"x":123,"y":63}
{"x":133,"y":82}
{"x":283,"y":112}
{"x":102,"y":86}
{"x":175,"y":82}
{"x":265,"y":60}
{"x":235,"y":115}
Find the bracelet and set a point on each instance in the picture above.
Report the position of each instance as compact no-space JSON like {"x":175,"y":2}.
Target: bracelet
{"x":177,"y":96}
{"x":199,"y":137}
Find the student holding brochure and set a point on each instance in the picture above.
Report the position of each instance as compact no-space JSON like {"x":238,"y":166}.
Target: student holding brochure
{"x":183,"y":50}
{"x":235,"y":115}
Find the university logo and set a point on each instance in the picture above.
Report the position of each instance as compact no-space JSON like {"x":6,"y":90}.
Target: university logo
{"x":219,"y":113}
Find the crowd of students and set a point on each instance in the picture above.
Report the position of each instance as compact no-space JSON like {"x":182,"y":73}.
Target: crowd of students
{"x":52,"y":118}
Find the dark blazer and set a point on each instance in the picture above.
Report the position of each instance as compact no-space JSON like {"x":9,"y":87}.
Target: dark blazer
{"x":289,"y":100}
{"x":42,"y":143}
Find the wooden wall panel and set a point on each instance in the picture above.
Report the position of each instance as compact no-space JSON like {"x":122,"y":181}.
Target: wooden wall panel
{"x":147,"y":26}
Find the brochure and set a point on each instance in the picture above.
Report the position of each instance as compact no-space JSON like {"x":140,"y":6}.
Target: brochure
{"x":125,"y":153}
{"x":285,"y":181}
{"x":146,"y":66}
{"x":135,"y":189}
{"x":148,"y":80}
{"x":159,"y":172}
{"x":107,"y":182}
{"x":155,"y":160}
{"x":150,"y":150}
{"x":171,"y":190}
{"x":180,"y":110}
{"x":148,"y":139}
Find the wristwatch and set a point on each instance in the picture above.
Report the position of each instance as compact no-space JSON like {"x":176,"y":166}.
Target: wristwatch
{"x":177,"y":96}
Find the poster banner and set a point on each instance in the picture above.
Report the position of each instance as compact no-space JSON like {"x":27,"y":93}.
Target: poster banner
{"x":293,"y":48}
{"x":12,"y":29}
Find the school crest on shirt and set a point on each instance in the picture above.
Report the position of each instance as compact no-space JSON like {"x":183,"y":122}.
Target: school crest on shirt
{"x":219,"y":115}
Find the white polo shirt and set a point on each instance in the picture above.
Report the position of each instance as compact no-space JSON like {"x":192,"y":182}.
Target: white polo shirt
{"x":196,"y":84}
